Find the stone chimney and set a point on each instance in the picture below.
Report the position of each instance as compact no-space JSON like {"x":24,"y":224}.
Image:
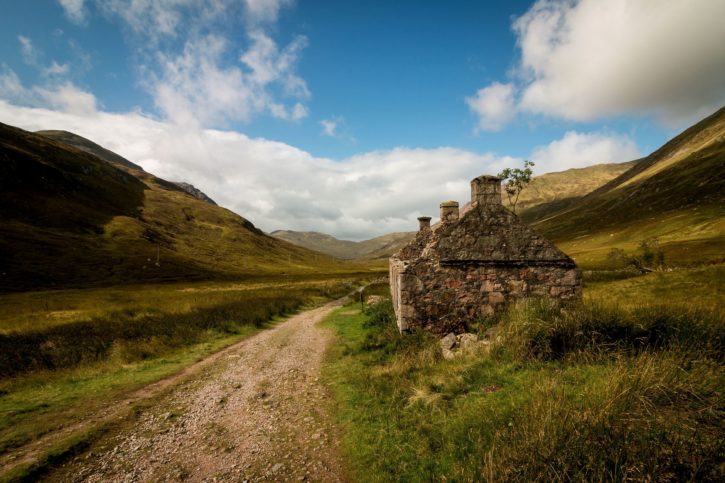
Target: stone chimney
{"x":449,"y":211}
{"x":424,"y":222}
{"x":486,"y":190}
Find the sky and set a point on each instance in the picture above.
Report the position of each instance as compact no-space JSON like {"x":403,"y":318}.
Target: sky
{"x":354,"y":118}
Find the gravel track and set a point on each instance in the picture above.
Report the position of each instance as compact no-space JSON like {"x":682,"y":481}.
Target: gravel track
{"x":258,"y":413}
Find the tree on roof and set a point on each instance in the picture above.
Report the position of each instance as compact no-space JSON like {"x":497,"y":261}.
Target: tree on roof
{"x":515,"y":180}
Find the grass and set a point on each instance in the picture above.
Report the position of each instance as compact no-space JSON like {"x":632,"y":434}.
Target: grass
{"x":688,"y":238}
{"x":604,"y":391}
{"x":136,"y":334}
{"x":55,"y":374}
{"x":700,"y":287}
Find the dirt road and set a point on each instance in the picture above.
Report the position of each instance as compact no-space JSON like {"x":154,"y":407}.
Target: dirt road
{"x":258,"y":413}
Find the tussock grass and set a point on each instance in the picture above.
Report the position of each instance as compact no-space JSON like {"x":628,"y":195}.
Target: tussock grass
{"x":538,"y":329}
{"x":129,"y":336}
{"x":597,"y":392}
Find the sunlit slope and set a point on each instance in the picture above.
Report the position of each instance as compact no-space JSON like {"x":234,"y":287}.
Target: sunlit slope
{"x":561,"y":187}
{"x":676,"y":194}
{"x":68,"y":218}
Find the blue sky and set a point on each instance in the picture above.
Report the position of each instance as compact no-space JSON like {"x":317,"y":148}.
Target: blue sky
{"x":354,"y":117}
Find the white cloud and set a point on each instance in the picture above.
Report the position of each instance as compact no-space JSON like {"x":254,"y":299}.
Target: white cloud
{"x":12,"y":89}
{"x":28,"y":51}
{"x":56,"y":69}
{"x":153,"y":19}
{"x":578,"y":150}
{"x":74,"y":10}
{"x":186,"y":51}
{"x":277,"y":185}
{"x":70,"y":99}
{"x":494,"y":105}
{"x":336,"y":127}
{"x":194,"y":86}
{"x":329,"y":127}
{"x":589,"y":59}
{"x":65,"y":97}
{"x":32,"y":56}
{"x":264,"y":10}
{"x":268,"y":64}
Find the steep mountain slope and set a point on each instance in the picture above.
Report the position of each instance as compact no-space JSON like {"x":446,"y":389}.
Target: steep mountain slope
{"x":89,"y":146}
{"x":68,"y":218}
{"x":677,"y":194}
{"x":99,"y":151}
{"x":194,"y":191}
{"x":553,"y":191}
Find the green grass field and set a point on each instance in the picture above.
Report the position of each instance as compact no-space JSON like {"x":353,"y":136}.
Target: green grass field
{"x":620,"y":388}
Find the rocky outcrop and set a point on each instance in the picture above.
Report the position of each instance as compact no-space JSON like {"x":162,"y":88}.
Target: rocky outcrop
{"x":194,"y":191}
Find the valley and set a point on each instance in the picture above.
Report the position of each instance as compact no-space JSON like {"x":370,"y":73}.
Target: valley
{"x":138,"y":319}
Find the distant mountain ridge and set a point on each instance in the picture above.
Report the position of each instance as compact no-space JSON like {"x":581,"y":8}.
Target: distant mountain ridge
{"x":547,"y":188}
{"x":378,"y":247}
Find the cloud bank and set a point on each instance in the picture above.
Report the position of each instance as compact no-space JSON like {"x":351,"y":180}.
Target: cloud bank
{"x":583,"y":60}
{"x":278,"y":186}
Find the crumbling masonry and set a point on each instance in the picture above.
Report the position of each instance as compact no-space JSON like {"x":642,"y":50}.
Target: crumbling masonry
{"x":474,"y":263}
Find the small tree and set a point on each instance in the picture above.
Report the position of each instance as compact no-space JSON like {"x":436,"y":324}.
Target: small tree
{"x":650,"y":255}
{"x":515,"y":180}
{"x":618,"y":258}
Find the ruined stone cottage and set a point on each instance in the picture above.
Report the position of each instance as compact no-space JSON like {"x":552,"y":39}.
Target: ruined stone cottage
{"x":473,"y":263}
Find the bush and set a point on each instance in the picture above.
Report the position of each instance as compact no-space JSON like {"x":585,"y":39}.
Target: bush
{"x":380,"y":314}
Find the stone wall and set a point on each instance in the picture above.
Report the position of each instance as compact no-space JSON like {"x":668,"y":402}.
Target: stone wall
{"x":473,"y":263}
{"x":443,"y":299}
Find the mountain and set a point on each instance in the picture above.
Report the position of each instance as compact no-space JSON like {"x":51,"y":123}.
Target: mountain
{"x":194,"y":191}
{"x":90,"y":147}
{"x":69,"y":218}
{"x":676,"y":194}
{"x":379,"y":247}
{"x":560,"y":188}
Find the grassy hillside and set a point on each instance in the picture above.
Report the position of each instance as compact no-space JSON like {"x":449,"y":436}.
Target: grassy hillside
{"x":67,"y":218}
{"x":378,"y":247}
{"x":563,"y":186}
{"x":676,"y":194}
